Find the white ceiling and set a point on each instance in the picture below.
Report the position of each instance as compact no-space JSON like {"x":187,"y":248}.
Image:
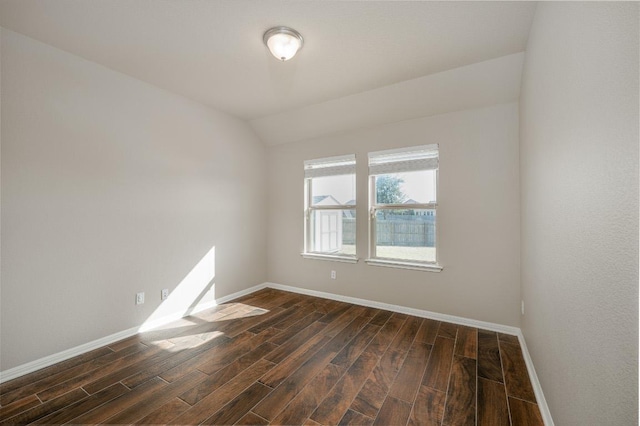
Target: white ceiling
{"x":212,"y":50}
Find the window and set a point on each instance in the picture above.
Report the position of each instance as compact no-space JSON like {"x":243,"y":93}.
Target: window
{"x":403,"y":203}
{"x":330,"y":208}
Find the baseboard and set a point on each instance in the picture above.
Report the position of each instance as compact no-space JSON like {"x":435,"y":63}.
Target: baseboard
{"x":46,"y":361}
{"x":30,"y":367}
{"x":537,"y":388}
{"x":515,"y":331}
{"x":38,"y":364}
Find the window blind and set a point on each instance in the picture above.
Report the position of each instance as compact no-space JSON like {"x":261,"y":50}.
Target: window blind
{"x":330,"y":166}
{"x":424,"y":157}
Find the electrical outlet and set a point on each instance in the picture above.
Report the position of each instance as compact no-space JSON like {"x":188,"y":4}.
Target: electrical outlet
{"x":164,"y":294}
{"x":140,"y":298}
{"x":333,"y":275}
{"x":522,"y":306}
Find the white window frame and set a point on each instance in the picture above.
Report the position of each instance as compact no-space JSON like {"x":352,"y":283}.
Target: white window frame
{"x":322,"y":167}
{"x":417,"y":158}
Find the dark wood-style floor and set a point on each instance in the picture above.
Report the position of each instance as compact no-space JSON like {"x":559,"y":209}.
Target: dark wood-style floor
{"x":284,"y":358}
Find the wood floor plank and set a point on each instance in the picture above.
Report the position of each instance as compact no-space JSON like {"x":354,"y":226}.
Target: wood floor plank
{"x":489,"y":364}
{"x":125,"y":343}
{"x":296,"y":342}
{"x":393,"y":412}
{"x":337,"y":402}
{"x":338,"y":342}
{"x":210,"y":404}
{"x":335,"y":313}
{"x":267,"y":357}
{"x":448,"y":329}
{"x":370,"y":398}
{"x":460,"y":408}
{"x":228,"y":373}
{"x":222,"y":357}
{"x":385,"y":336}
{"x":407,"y":382}
{"x":372,"y":395}
{"x":381,"y":318}
{"x":193,"y":363}
{"x":303,"y":404}
{"x":407,"y":334}
{"x":141,"y":364}
{"x":428,"y":331}
{"x":516,"y":376}
{"x":233,"y":328}
{"x":295,"y":328}
{"x":354,"y":418}
{"x":294,"y":301}
{"x":354,"y":348}
{"x":428,"y":408}
{"x":53,"y":370}
{"x":492,"y":404}
{"x":157,"y":399}
{"x":163,"y":414}
{"x":239,"y":406}
{"x":275,"y":402}
{"x":18,"y":406}
{"x":508,"y":338}
{"x":84,"y":405}
{"x":298,"y":314}
{"x":43,"y":410}
{"x":524,"y":413}
{"x":203,"y":322}
{"x":439,"y":366}
{"x":298,"y":357}
{"x":252,"y":419}
{"x":129,"y":356}
{"x":279,"y":317}
{"x":467,"y":342}
{"x":336,"y":326}
{"x":61,"y":377}
{"x":113,"y":407}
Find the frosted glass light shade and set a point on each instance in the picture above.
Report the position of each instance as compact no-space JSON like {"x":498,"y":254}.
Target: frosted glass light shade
{"x":283,"y":42}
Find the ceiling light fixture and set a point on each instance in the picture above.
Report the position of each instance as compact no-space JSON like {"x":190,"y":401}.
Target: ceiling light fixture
{"x":283,"y":42}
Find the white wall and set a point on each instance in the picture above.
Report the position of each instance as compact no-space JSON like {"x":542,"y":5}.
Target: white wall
{"x":579,"y":173}
{"x":478,"y":216}
{"x":112,"y":186}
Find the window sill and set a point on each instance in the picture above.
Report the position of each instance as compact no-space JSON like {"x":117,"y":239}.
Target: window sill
{"x":430,"y":267}
{"x":335,"y":258}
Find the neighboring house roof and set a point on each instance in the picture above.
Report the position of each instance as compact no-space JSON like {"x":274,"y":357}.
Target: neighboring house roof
{"x":325,"y":200}
{"x":350,"y":203}
{"x":411,"y":201}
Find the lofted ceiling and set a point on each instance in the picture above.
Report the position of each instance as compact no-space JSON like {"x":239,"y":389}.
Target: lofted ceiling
{"x":212,"y":51}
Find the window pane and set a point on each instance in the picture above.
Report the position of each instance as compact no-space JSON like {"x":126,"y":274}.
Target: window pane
{"x":406,"y":234}
{"x":406,"y":188}
{"x":333,"y":190}
{"x":333,"y":231}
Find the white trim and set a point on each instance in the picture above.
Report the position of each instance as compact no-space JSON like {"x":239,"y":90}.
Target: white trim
{"x":46,"y":361}
{"x":429,"y":267}
{"x":316,"y":256}
{"x":514,"y":331}
{"x":38,"y":364}
{"x":232,"y":296}
{"x":535,"y":383}
{"x":331,"y":166}
{"x":146,"y":326}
